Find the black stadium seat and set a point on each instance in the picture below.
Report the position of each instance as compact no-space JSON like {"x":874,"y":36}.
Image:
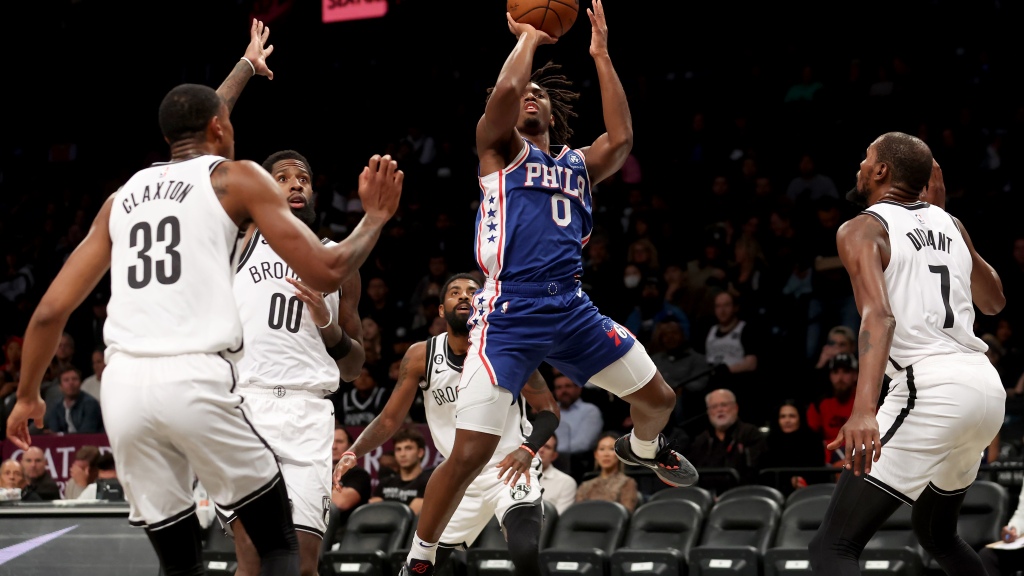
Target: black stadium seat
{"x":699,"y":496}
{"x":894,"y":549}
{"x":982,"y":516}
{"x":736,"y":535}
{"x":753,"y":490}
{"x":811,"y":491}
{"x":219,"y":551}
{"x":586,"y":535}
{"x":489,"y":555}
{"x":372,"y":533}
{"x":800,"y":521}
{"x":659,"y":539}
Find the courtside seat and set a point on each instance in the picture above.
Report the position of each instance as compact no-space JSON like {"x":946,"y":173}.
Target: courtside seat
{"x":753,"y":490}
{"x":736,"y":536}
{"x":373,"y":532}
{"x":800,"y":521}
{"x":810,"y":491}
{"x":586,"y":535}
{"x":894,"y":549}
{"x":659,"y":539}
{"x":699,"y":496}
{"x":489,"y":555}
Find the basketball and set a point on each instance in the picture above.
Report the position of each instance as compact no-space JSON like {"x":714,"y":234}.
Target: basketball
{"x":553,"y":17}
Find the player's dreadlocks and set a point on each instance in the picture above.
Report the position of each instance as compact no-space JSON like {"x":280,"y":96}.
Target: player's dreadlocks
{"x":558,"y":88}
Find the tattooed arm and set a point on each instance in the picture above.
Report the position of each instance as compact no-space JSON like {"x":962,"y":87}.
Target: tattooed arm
{"x":384,"y":426}
{"x":231,"y":88}
{"x":864,"y":249}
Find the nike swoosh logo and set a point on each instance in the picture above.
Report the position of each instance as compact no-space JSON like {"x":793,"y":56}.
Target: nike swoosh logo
{"x":12,"y":552}
{"x":438,"y":370}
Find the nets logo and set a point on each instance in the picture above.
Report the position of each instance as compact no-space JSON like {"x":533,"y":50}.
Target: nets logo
{"x":279,"y":391}
{"x":520,"y":491}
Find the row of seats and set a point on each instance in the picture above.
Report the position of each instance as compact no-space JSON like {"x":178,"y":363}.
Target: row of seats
{"x":747,"y":531}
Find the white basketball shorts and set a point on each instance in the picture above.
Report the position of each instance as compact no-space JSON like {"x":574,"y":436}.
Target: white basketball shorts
{"x":488,"y":496}
{"x":299,"y":426}
{"x":938,"y":417}
{"x":169,"y":417}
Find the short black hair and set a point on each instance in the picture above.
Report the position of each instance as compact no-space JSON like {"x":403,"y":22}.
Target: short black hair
{"x":276,"y":157}
{"x":187,"y":109}
{"x":909,"y":160}
{"x":105,"y":461}
{"x":410,"y":435}
{"x":459,"y":276}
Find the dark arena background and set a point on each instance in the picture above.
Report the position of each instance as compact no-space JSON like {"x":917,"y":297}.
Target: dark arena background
{"x":750,"y":120}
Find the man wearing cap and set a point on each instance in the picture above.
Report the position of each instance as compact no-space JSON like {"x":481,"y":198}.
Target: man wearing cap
{"x":828,"y":415}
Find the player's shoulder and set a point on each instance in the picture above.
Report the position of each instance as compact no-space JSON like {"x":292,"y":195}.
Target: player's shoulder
{"x":416,"y":355}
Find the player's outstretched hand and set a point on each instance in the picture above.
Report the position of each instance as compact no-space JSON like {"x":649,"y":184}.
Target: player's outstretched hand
{"x":318,"y":309}
{"x":255,"y":51}
{"x":514,"y":465}
{"x":17,"y":422}
{"x":347,"y":462}
{"x":518,"y":29}
{"x":599,"y":30}
{"x":862,"y":441}
{"x":380,"y":187}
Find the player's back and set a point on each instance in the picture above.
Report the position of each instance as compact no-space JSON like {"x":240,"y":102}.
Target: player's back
{"x":173,"y":257}
{"x":929,"y":282}
{"x":534,"y":217}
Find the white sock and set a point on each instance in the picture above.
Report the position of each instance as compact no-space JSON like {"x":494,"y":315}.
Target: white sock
{"x":645,"y":449}
{"x":421,"y":550}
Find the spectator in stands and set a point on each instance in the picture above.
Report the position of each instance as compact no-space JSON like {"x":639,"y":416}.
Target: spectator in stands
{"x":579,"y":427}
{"x":362,"y":400}
{"x":388,"y":465}
{"x":430,"y":283}
{"x":611,"y":482}
{"x":685,"y":369}
{"x":39,"y":485}
{"x":355,"y":484}
{"x":107,"y":486}
{"x":559,"y":488}
{"x":84,"y":471}
{"x":747,"y":276}
{"x":1007,"y":562}
{"x":652,"y":308}
{"x":12,"y":358}
{"x":77,"y":412}
{"x":11,"y":475}
{"x":732,"y":346}
{"x":91,"y":385}
{"x":727,"y":443}
{"x":790,"y":444}
{"x":827,"y":416}
{"x":50,"y":389}
{"x":409,"y":484}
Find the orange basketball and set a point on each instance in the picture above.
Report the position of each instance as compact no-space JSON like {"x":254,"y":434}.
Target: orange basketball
{"x":554,"y":17}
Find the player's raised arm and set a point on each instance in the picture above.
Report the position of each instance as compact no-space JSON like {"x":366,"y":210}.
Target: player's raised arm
{"x":496,"y":129}
{"x":349,"y":351}
{"x":75,"y":281}
{"x":609,"y":152}
{"x":252,"y":193}
{"x":986,"y":287}
{"x":538,"y":395}
{"x":252,"y":63}
{"x":863,"y":243}
{"x":391,"y":417}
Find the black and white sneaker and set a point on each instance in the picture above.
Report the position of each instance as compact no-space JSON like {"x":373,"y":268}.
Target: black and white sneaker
{"x":417,"y":568}
{"x":669,"y":465}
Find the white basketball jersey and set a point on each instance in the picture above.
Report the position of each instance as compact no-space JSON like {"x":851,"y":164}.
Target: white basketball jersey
{"x":440,"y":386}
{"x":283,"y":346}
{"x":727,"y":349}
{"x":929,"y":283}
{"x":172,"y":264}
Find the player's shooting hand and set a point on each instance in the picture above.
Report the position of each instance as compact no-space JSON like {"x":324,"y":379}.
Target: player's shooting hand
{"x":17,"y":422}
{"x":863,"y":444}
{"x":346,"y":463}
{"x":516,"y":464}
{"x":318,"y":309}
{"x":255,"y":51}
{"x":519,"y":28}
{"x":380,"y":187}
{"x":599,"y":30}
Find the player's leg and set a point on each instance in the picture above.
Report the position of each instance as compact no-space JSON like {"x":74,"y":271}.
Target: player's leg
{"x":236,"y":465}
{"x":522,"y":527}
{"x":857,"y":509}
{"x":156,"y":477}
{"x":934,"y":519}
{"x":468,"y":521}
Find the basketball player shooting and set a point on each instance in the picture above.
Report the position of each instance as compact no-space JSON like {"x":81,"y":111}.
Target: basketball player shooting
{"x":434,"y":367}
{"x":533,"y":221}
{"x":169,"y":238}
{"x":917,"y":278}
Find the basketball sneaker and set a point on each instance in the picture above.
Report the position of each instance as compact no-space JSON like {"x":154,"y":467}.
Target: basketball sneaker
{"x":417,"y":568}
{"x":669,"y":465}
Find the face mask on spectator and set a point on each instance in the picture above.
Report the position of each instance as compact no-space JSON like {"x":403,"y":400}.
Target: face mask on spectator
{"x":631,"y":281}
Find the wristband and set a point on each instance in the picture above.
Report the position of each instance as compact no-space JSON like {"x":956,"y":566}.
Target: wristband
{"x":544,"y":425}
{"x":342,"y":348}
{"x":349,"y":453}
{"x":330,"y":318}
{"x":249,"y":62}
{"x":524,"y":446}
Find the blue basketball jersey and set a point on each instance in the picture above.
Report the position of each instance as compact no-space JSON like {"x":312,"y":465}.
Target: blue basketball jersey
{"x":535,"y":217}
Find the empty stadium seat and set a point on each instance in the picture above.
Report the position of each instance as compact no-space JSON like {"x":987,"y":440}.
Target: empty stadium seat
{"x":753,"y":490}
{"x":489,"y":554}
{"x":699,"y":496}
{"x":372,"y":533}
{"x":219,"y":551}
{"x":894,"y":549}
{"x":586,"y":535}
{"x":736,"y":535}
{"x":800,"y":521}
{"x":659,"y":539}
{"x":811,"y":491}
